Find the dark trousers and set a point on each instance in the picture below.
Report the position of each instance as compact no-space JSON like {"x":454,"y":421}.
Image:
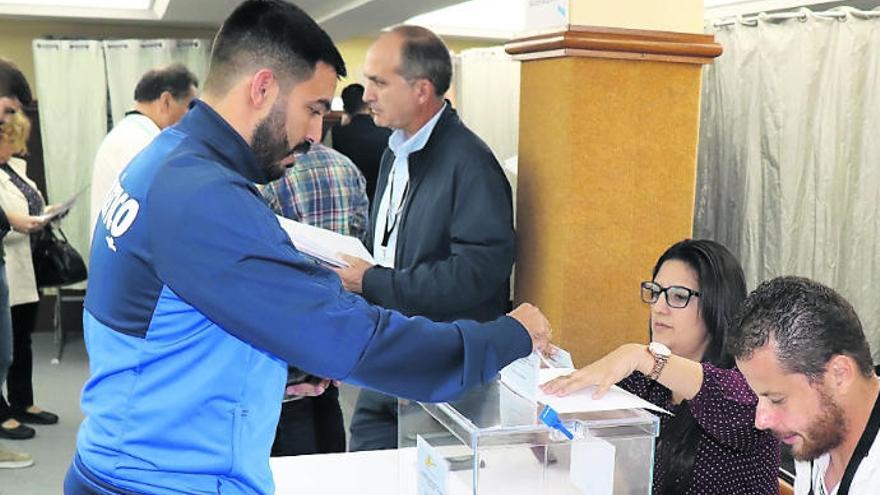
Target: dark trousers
{"x":19,"y":380}
{"x":374,"y":422}
{"x":311,"y":425}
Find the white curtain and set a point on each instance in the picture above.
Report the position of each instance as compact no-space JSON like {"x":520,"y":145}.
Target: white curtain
{"x":487,"y":99}
{"x":487,"y":85}
{"x":72,"y":92}
{"x":75,"y":83}
{"x":789,"y":157}
{"x":128,"y":60}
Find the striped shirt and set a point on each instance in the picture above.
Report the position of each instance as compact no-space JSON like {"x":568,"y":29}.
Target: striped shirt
{"x":325,"y":189}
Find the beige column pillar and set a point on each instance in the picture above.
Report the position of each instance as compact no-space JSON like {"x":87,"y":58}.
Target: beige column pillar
{"x":609,"y":119}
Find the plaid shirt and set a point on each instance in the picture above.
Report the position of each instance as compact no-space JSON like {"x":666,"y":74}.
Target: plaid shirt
{"x":325,"y":189}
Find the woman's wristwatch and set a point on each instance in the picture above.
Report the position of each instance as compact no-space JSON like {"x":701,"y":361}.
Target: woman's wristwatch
{"x":661,"y":355}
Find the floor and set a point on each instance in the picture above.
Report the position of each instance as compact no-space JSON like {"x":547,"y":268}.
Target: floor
{"x":57,"y":389}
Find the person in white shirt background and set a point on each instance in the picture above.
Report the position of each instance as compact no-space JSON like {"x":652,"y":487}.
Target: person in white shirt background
{"x":162,"y":97}
{"x":802,"y":349}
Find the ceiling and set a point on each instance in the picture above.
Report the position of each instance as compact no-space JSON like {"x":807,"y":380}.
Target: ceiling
{"x":499,"y":19}
{"x":340,"y":18}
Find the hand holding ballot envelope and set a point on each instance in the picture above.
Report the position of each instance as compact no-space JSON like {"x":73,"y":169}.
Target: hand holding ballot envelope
{"x":28,"y":224}
{"x":25,"y":224}
{"x":534,"y":321}
{"x":603,"y":373}
{"x":58,"y":211}
{"x":55,"y":211}
{"x":529,"y":377}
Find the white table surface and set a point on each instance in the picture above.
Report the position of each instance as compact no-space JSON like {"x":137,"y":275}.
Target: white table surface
{"x":393,"y":472}
{"x":361,"y":473}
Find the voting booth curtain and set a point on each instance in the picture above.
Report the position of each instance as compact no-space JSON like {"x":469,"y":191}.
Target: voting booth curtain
{"x":79,"y":84}
{"x":487,"y":98}
{"x":788,"y":158}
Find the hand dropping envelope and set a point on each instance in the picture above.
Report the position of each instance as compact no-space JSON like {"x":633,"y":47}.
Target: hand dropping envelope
{"x":582,"y":400}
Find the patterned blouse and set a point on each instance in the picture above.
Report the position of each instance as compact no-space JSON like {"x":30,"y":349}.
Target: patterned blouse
{"x":733,"y":457}
{"x":34,"y":200}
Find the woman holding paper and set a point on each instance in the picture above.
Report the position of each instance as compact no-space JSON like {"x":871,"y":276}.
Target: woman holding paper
{"x":19,"y":197}
{"x":710,"y":445}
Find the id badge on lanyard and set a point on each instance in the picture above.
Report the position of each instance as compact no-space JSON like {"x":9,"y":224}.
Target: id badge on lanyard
{"x":385,"y":250}
{"x":381,"y":256}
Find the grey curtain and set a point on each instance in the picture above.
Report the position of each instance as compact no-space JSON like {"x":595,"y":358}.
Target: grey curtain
{"x":789,"y":156}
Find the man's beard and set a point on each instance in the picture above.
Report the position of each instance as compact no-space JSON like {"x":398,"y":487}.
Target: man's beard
{"x":271,"y":147}
{"x":270,"y":144}
{"x":825,"y":432}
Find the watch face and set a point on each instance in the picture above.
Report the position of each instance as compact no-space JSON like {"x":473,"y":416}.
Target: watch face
{"x":659,"y":349}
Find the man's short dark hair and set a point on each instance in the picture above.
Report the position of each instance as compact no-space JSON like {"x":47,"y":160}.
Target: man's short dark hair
{"x":809,"y":322}
{"x":424,"y":56}
{"x":270,"y":34}
{"x":176,"y":79}
{"x":353,"y":98}
{"x":13,"y":83}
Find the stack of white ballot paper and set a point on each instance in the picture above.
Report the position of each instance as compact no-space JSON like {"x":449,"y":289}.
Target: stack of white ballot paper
{"x":524,"y":376}
{"x":322,"y":244}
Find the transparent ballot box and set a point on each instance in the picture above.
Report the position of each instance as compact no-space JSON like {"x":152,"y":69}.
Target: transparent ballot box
{"x":493,"y":442}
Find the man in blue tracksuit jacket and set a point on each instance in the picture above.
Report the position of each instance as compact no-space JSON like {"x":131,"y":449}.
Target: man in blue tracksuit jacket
{"x":197,"y":299}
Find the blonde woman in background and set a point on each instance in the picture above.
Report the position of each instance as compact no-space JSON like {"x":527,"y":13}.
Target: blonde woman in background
{"x":19,"y":197}
{"x":8,"y":458}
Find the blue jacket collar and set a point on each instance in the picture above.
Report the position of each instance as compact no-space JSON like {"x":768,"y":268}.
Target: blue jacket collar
{"x":204,"y":124}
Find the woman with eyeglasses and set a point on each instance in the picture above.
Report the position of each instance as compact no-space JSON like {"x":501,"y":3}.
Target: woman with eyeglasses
{"x":710,"y":445}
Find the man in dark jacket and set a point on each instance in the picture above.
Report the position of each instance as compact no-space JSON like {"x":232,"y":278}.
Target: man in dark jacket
{"x":442,"y":228}
{"x":360,"y":139}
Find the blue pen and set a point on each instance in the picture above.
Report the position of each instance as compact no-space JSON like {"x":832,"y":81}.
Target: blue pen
{"x":551,"y":418}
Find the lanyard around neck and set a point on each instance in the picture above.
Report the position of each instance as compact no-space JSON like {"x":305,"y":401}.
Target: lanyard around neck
{"x":862,"y":449}
{"x":393,"y":213}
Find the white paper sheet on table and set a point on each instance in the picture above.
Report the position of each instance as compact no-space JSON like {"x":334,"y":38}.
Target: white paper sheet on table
{"x":322,"y":244}
{"x":582,"y":400}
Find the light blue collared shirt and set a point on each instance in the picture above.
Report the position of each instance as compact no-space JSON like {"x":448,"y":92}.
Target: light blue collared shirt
{"x":396,"y":188}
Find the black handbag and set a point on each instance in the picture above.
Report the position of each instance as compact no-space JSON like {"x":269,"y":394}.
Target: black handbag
{"x":56,"y":262}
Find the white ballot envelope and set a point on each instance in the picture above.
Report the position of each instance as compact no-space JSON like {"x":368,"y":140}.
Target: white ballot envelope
{"x":582,"y":400}
{"x":322,"y":244}
{"x":61,"y":209}
{"x":521,"y":376}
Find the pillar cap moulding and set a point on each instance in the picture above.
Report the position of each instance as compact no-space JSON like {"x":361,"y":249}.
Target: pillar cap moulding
{"x":617,"y":43}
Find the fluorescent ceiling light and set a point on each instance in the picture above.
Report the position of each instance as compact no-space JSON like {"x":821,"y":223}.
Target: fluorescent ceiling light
{"x":86,"y":9}
{"x":86,"y":4}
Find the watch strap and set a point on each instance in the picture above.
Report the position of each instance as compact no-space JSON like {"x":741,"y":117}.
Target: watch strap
{"x":659,"y":363}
